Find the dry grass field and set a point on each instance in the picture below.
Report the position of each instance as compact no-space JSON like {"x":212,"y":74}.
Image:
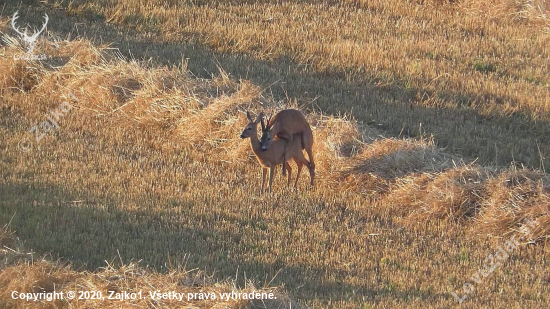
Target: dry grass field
{"x":431,"y":125}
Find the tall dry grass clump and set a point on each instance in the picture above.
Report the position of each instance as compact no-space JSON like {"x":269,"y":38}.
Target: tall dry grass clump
{"x":536,"y":12}
{"x":454,"y":193}
{"x":336,"y":139}
{"x":513,"y":197}
{"x":216,"y":121}
{"x":386,"y":160}
{"x":496,"y":202}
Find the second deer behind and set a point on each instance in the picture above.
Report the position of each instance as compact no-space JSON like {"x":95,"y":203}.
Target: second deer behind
{"x":286,"y":125}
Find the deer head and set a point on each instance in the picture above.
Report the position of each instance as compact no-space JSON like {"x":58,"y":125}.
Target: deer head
{"x":28,"y":40}
{"x":267,"y":134}
{"x":251,"y":128}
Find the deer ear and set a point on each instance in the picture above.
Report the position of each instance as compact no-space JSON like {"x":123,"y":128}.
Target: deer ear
{"x":260,"y":117}
{"x":263,"y":124}
{"x":248,"y":116}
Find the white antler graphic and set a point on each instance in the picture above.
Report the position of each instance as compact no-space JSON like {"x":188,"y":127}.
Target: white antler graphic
{"x":28,"y":40}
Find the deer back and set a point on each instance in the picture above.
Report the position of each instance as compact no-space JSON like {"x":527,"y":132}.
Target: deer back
{"x":288,"y":121}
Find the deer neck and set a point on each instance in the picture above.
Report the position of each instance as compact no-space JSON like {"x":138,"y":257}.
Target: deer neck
{"x":255,"y":144}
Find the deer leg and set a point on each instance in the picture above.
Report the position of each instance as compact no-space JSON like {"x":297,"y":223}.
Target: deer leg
{"x":299,"y":164}
{"x":264,"y":172}
{"x":284,"y":160}
{"x":271,"y":174}
{"x":310,"y":155}
{"x":289,"y":173}
{"x":307,"y":144}
{"x":311,"y":168}
{"x":288,"y":140}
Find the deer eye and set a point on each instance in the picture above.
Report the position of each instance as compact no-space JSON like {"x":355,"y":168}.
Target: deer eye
{"x":269,"y":138}
{"x":249,"y":129}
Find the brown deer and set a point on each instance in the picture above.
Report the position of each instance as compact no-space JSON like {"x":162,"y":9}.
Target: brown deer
{"x":286,"y":125}
{"x":276,"y":154}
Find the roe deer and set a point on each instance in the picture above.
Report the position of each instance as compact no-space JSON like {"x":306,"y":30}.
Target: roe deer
{"x":285,"y":125}
{"x":276,"y":154}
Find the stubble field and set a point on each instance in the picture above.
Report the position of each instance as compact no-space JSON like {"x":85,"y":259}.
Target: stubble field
{"x":431,"y":128}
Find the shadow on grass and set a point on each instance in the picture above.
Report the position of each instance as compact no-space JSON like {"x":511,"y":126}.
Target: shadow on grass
{"x":88,"y":231}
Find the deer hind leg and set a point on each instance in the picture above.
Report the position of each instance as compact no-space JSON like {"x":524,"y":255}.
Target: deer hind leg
{"x":299,"y":164}
{"x":289,"y":173}
{"x":311,"y":168}
{"x":311,"y":163}
{"x":307,"y":144}
{"x":288,"y":139}
{"x":300,"y":161}
{"x":284,"y":165}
